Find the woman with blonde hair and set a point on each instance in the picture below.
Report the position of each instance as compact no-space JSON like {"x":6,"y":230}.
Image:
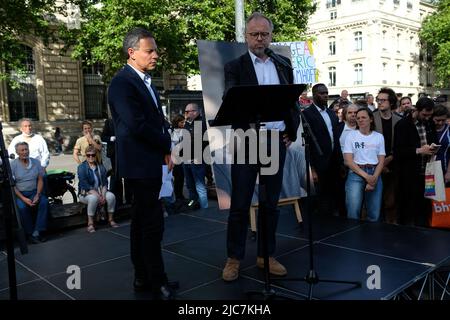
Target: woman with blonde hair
{"x":93,"y":188}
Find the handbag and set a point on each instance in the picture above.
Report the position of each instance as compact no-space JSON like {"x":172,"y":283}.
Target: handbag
{"x":434,"y":181}
{"x":440,"y":213}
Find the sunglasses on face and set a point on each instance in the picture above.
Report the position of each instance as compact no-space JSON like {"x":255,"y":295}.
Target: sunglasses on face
{"x":90,"y":155}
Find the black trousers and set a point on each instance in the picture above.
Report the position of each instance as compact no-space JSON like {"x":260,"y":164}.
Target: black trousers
{"x":147,"y":227}
{"x":178,"y":181}
{"x":243,"y":178}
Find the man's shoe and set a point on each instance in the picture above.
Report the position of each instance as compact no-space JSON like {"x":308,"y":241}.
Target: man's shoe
{"x":164,"y":293}
{"x":275,"y":267}
{"x":193,"y":205}
{"x":141,"y":285}
{"x":231,"y":270}
{"x":33,"y":240}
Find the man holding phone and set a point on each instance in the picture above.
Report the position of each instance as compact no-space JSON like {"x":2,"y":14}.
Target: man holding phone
{"x":415,"y":141}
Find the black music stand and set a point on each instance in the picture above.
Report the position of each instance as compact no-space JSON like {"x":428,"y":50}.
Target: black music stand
{"x":9,"y":214}
{"x":312,"y":278}
{"x":245,"y":105}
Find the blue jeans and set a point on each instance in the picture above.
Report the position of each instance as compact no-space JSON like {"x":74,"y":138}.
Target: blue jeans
{"x":25,"y":212}
{"x":195,"y":181}
{"x":355,"y":192}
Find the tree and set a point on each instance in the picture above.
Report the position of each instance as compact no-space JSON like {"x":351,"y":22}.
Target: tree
{"x":176,"y":25}
{"x":20,"y":19}
{"x":435,"y":33}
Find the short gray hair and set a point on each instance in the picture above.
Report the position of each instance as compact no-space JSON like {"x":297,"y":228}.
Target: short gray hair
{"x":133,"y":37}
{"x":258,"y":15}
{"x":23,"y":143}
{"x":23,"y":120}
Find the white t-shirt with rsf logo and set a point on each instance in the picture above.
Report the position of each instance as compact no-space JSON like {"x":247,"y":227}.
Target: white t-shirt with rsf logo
{"x":365,"y":149}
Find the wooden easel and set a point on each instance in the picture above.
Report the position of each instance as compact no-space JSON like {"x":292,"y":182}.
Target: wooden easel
{"x":281,"y":202}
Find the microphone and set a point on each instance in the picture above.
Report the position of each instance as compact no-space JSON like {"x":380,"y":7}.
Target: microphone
{"x":277,"y":58}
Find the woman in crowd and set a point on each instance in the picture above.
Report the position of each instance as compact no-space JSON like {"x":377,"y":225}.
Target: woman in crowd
{"x":440,"y":116}
{"x":364,"y":155}
{"x":93,"y":190}
{"x":178,"y":173}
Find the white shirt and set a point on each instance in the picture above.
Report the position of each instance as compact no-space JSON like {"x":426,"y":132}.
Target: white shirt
{"x":327,"y":120}
{"x":365,"y":149}
{"x":37,"y":146}
{"x":147,"y":81}
{"x":344,"y":135}
{"x":371,"y":107}
{"x":266,"y":73}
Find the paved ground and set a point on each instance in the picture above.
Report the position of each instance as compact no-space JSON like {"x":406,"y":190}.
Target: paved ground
{"x":63,"y":161}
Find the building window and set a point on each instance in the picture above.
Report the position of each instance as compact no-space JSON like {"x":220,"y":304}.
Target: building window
{"x":333,"y":3}
{"x":358,"y":41}
{"x":429,"y":80}
{"x":421,"y":76}
{"x":333,"y":15}
{"x":398,"y":42}
{"x":411,"y":45}
{"x":358,"y":73}
{"x":94,"y":92}
{"x":332,"y":46}
{"x":396,"y":2}
{"x":332,"y":76}
{"x":409,"y":5}
{"x":383,"y":39}
{"x":22,"y":101}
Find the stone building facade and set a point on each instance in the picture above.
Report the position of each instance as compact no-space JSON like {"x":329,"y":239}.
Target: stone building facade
{"x":58,"y":92}
{"x":363,"y":45}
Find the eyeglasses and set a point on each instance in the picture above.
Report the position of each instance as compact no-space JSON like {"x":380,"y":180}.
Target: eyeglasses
{"x":381,"y":100}
{"x":255,"y":35}
{"x":90,"y":155}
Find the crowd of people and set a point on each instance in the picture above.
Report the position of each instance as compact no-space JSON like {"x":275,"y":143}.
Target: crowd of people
{"x":371,"y":165}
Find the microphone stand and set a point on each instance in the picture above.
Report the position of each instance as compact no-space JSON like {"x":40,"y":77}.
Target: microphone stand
{"x":8,"y":215}
{"x":312,"y":277}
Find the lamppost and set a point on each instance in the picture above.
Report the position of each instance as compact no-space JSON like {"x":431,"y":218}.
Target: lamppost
{"x":239,"y":20}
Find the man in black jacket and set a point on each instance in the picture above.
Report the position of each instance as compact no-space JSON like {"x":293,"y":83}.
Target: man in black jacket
{"x":325,"y":167}
{"x":256,"y":68}
{"x":414,"y":136}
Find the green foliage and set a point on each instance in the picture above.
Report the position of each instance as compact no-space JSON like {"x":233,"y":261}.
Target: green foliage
{"x":20,"y":19}
{"x":436,"y":34}
{"x":176,"y":25}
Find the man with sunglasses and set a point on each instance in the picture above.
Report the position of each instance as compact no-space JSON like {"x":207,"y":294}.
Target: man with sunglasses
{"x":256,"y":68}
{"x":143,"y":145}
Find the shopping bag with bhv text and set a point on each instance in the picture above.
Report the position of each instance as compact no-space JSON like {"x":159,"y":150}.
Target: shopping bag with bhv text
{"x":440,"y":214}
{"x":434,"y":181}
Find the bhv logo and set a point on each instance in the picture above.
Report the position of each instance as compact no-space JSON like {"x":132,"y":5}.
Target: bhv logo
{"x":374,"y":280}
{"x":74,"y":280}
{"x":440,"y":207}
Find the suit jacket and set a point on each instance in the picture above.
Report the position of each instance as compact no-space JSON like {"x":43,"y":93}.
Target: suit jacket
{"x":332,"y":154}
{"x":142,"y":138}
{"x":406,"y":141}
{"x":107,"y":133}
{"x":241,"y":72}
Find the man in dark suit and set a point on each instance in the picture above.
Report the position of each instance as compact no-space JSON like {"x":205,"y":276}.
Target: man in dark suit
{"x":256,"y":68}
{"x":143,"y":146}
{"x":326,"y":167}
